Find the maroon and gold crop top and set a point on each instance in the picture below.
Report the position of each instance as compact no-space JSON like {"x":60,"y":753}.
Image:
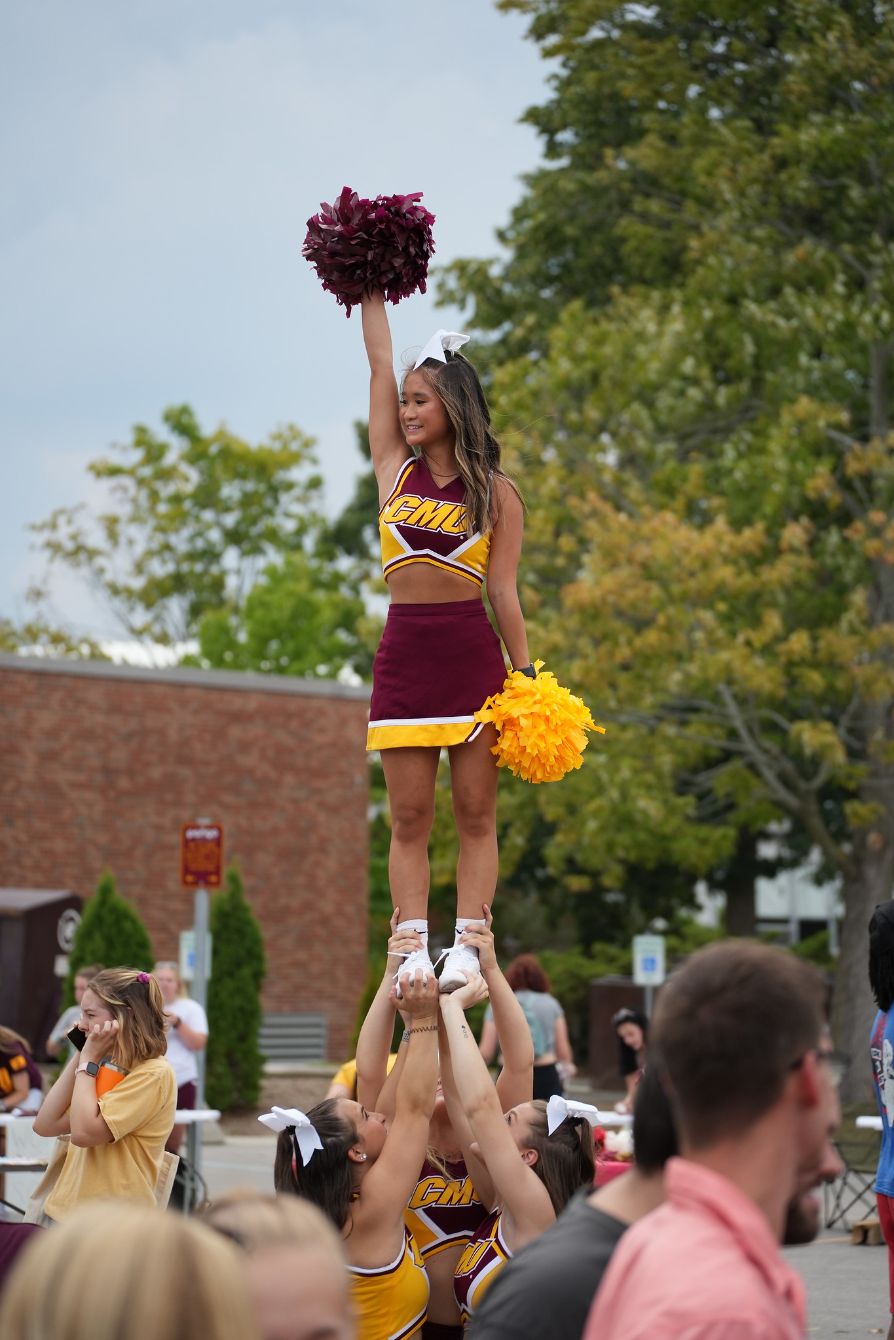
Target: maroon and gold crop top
{"x":483,"y":1259}
{"x":444,"y":1210}
{"x":419,"y":522}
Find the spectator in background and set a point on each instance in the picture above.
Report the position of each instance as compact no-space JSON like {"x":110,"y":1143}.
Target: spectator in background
{"x":295,"y":1267}
{"x":21,"y":1083}
{"x":546,"y":1021}
{"x":124,"y":1272}
{"x":881,"y":1050}
{"x":58,"y":1043}
{"x":115,"y":1098}
{"x":187,"y":1026}
{"x":631,"y":1028}
{"x":344,"y":1082}
{"x":743,"y":1051}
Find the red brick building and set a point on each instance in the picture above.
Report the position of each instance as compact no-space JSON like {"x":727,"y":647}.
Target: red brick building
{"x":101,"y":764}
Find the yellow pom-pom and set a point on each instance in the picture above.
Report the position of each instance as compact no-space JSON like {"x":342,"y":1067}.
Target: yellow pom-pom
{"x":541,"y":726}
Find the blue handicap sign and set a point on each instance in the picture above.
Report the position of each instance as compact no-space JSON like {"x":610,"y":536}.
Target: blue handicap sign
{"x":649,"y":962}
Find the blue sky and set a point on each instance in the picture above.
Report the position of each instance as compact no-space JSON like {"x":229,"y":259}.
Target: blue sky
{"x":159,"y":163}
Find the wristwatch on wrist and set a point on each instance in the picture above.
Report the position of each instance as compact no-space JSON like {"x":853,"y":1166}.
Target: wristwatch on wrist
{"x":90,"y":1067}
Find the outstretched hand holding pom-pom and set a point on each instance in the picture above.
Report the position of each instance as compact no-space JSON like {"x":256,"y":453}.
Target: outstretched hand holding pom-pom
{"x":360,"y":246}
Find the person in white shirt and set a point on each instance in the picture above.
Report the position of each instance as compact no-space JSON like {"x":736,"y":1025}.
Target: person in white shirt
{"x":187,"y":1035}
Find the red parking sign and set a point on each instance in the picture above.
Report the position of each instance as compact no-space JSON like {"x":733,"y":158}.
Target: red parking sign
{"x":201,"y":855}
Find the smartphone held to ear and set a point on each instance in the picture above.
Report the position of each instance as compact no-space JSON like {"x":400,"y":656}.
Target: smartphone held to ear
{"x":77,"y":1037}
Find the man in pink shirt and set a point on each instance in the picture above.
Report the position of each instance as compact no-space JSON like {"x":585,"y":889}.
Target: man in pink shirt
{"x":743,"y":1050}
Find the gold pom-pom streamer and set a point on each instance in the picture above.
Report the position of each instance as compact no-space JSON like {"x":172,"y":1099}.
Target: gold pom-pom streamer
{"x":541,"y":726}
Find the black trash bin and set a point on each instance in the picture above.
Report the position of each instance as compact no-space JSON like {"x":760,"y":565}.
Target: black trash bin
{"x":37,"y":927}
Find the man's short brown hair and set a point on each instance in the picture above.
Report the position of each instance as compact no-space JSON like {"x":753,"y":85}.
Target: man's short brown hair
{"x":728,"y":1028}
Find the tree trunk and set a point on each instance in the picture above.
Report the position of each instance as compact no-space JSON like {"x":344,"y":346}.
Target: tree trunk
{"x":853,"y":1008}
{"x":871,"y":876}
{"x":852,"y":1005}
{"x":738,"y":885}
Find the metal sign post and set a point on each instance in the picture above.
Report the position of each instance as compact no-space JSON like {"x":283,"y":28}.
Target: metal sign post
{"x":200,"y":976}
{"x":648,"y":965}
{"x":201,"y":866}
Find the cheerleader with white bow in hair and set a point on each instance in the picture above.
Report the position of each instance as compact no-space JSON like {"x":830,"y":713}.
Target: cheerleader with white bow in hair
{"x":360,"y":1168}
{"x":450,"y":525}
{"x":526,"y":1165}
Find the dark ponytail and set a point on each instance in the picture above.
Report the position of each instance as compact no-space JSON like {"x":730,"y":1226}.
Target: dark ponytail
{"x":327,"y":1179}
{"x":565,"y":1159}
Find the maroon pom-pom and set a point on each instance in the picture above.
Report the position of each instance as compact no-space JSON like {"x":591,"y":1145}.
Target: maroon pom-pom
{"x":357,"y":245}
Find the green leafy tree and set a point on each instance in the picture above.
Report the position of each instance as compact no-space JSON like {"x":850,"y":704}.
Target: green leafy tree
{"x":110,"y":932}
{"x":704,"y":270}
{"x":234,"y":1064}
{"x":298,"y":619}
{"x":193,"y":518}
{"x":38,"y":635}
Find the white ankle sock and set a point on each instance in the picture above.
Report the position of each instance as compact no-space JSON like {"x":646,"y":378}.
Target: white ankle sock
{"x":420,"y":926}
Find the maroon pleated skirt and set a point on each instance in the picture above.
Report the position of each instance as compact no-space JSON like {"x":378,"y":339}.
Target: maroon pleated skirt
{"x":435,"y":666}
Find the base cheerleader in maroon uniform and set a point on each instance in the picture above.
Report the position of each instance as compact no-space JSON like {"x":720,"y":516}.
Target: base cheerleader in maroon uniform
{"x":451,"y":525}
{"x":525,"y":1165}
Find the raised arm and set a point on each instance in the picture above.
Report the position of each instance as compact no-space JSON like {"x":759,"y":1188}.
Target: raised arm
{"x":377,"y":1030}
{"x":387,"y":444}
{"x":515,"y":1083}
{"x":502,"y":572}
{"x":489,"y":1041}
{"x":524,"y":1198}
{"x":476,"y":1168}
{"x":389,"y":1184}
{"x":71,"y":1106}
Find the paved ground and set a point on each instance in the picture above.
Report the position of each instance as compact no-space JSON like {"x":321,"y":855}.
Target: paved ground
{"x":846,"y":1286}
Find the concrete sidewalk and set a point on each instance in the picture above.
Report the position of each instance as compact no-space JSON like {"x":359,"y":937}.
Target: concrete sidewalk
{"x":847,"y":1287}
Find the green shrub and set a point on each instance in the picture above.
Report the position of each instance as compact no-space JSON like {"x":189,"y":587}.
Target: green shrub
{"x":816,"y":950}
{"x":110,"y":932}
{"x":234,"y":1063}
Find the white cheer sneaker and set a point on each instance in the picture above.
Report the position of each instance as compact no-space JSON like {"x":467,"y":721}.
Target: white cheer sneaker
{"x":419,"y":958}
{"x":460,"y":964}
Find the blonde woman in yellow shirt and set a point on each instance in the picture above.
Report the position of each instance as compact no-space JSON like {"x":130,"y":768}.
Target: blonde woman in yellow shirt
{"x":116,"y":1098}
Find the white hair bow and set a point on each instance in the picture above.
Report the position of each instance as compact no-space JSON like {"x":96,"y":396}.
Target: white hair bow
{"x":558,"y":1108}
{"x":304,"y":1133}
{"x":439,"y":344}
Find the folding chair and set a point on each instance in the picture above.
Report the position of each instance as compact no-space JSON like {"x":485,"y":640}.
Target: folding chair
{"x":852,"y":1195}
{"x":166,"y":1175}
{"x":189,"y":1191}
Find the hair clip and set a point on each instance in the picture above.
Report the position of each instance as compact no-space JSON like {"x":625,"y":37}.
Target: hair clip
{"x":143,"y":977}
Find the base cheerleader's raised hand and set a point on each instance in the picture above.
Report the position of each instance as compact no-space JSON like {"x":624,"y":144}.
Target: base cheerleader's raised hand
{"x":541,"y":726}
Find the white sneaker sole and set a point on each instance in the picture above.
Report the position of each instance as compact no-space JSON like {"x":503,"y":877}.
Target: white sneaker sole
{"x":452,"y":979}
